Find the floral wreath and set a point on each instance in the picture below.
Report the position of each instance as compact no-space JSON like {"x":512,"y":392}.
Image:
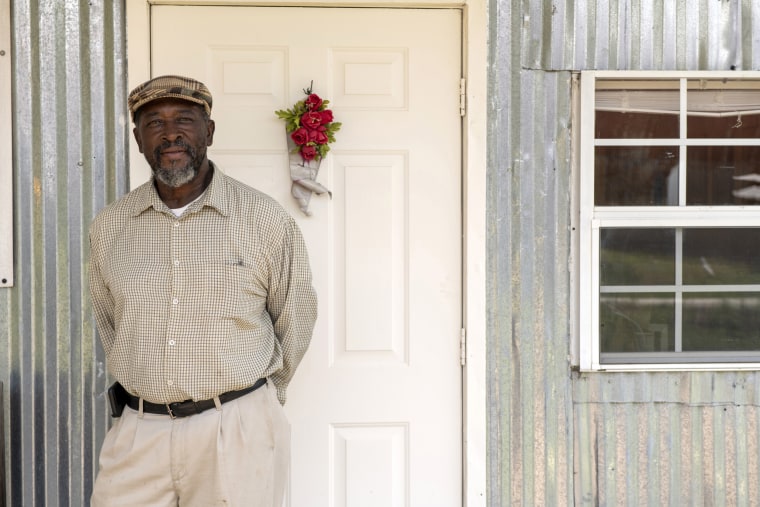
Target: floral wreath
{"x":310,"y":125}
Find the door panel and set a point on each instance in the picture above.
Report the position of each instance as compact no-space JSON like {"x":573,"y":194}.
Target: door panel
{"x":375,"y":406}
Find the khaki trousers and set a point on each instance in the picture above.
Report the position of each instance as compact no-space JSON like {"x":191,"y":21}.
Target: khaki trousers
{"x":237,"y":456}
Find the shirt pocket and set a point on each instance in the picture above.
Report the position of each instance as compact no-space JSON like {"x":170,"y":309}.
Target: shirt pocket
{"x":232,"y":291}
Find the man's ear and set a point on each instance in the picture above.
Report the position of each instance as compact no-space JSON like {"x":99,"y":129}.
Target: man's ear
{"x":137,"y":139}
{"x":211,"y":127}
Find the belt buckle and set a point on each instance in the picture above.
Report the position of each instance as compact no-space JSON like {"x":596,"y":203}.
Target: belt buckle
{"x":169,"y":411}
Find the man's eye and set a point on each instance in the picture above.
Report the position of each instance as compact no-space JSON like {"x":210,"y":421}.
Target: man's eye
{"x":154,"y":123}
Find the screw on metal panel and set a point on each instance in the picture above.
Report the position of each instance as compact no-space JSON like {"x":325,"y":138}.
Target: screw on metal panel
{"x":2,"y":52}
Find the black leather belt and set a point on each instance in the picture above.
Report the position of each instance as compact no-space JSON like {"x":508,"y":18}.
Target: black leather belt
{"x":189,"y":407}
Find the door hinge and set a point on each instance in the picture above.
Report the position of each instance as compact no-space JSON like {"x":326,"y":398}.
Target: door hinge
{"x":462,"y":97}
{"x":462,"y":347}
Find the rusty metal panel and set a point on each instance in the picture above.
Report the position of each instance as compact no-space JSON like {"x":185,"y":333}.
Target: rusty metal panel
{"x":70,"y":138}
{"x":681,"y":438}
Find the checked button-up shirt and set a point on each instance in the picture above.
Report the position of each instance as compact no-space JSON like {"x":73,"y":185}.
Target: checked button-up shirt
{"x":191,"y":307}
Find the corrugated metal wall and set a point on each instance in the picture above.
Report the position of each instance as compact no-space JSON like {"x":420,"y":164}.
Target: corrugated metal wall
{"x":70,"y":143}
{"x":557,"y":437}
{"x":668,"y":439}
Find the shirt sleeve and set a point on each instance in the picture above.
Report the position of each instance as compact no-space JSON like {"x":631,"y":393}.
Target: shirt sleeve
{"x":291,"y":303}
{"x":102,"y":301}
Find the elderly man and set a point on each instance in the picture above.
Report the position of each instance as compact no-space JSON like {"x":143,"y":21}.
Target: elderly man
{"x":203,"y":298}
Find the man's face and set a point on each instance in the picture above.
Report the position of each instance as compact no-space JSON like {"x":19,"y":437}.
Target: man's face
{"x":173,"y":135}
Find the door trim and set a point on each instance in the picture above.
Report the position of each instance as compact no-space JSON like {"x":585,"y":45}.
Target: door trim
{"x":474,"y":146}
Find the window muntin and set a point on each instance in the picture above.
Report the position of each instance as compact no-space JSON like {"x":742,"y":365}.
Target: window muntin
{"x":670,"y":223}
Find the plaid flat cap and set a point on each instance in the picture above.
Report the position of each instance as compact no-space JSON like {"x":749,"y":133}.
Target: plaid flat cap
{"x":177,"y":87}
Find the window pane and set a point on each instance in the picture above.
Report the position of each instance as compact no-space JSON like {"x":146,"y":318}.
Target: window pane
{"x":728,"y":127}
{"x":721,"y":256}
{"x":637,"y":322}
{"x":723,"y":109}
{"x":722,"y":175}
{"x":721,"y":322}
{"x":637,"y":257}
{"x":637,"y":114}
{"x":637,"y":175}
{"x":616,"y":125}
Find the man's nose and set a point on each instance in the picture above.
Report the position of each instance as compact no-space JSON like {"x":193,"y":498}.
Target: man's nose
{"x":171,"y":132}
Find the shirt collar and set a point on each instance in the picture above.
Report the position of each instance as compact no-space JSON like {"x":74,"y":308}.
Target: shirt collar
{"x":215,"y":196}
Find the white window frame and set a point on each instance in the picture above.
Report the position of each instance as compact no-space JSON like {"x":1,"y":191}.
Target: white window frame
{"x":6,"y":149}
{"x":593,"y":218}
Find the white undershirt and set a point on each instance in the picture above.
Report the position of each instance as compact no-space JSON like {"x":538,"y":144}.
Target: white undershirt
{"x":178,"y":211}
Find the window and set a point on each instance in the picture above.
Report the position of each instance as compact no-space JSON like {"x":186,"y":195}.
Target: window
{"x":669,"y":220}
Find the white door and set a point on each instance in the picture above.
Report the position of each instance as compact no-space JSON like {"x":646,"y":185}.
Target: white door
{"x":376,"y":405}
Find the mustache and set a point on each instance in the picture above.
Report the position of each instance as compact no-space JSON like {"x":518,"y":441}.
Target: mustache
{"x":178,"y":143}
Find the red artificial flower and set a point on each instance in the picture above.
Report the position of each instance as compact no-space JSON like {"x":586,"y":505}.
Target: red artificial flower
{"x":327,"y":116}
{"x":311,"y":119}
{"x":308,"y":152}
{"x":300,"y":136}
{"x":313,"y":102}
{"x":318,"y":135}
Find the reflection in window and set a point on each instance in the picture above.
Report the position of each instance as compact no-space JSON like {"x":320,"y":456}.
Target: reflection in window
{"x":636,"y":176}
{"x":723,"y":175}
{"x":726,"y":321}
{"x":641,"y":322}
{"x":637,"y":256}
{"x":721,"y":256}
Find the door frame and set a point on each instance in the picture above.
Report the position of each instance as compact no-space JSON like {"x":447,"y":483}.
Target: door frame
{"x":474,"y":146}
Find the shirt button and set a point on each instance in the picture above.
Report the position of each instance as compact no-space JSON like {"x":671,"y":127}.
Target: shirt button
{"x":176,"y":263}
{"x":176,"y":224}
{"x":175,"y":301}
{"x":169,"y":382}
{"x":172,"y":342}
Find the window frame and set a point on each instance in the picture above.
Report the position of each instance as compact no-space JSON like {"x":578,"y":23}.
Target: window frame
{"x":593,"y":218}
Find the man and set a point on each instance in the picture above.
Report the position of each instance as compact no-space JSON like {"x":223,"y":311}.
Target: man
{"x":202,"y":293}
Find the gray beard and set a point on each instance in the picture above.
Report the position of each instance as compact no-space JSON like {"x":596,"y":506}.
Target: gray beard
{"x":176,"y":177}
